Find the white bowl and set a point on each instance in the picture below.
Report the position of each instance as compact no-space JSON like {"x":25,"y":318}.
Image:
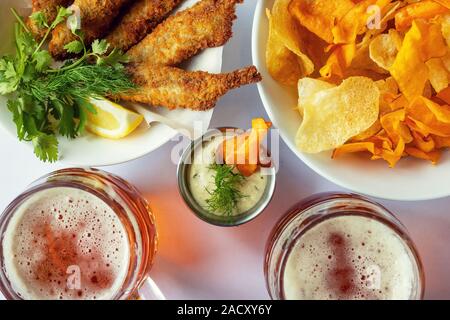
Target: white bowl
{"x":90,"y":150}
{"x":411,"y":179}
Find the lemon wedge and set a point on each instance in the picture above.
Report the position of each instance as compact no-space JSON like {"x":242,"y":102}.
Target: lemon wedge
{"x":111,"y":121}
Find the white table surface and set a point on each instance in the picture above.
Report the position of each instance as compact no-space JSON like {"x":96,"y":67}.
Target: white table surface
{"x":200,"y":261}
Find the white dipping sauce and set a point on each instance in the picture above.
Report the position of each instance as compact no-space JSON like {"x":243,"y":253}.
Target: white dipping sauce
{"x":201,"y":179}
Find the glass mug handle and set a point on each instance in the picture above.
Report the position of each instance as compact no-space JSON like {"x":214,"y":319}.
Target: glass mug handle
{"x":148,"y":291}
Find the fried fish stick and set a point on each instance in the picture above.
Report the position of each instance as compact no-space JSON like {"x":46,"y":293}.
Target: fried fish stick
{"x":96,"y":18}
{"x":207,"y":24}
{"x":140,"y":20}
{"x":49,"y":9}
{"x":175,"y":88}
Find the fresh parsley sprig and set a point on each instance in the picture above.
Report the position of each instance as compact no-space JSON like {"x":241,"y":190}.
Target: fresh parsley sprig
{"x":226,"y":195}
{"x":46,"y":101}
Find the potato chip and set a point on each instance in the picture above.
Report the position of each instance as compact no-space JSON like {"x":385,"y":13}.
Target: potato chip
{"x":362,"y":58}
{"x":397,"y":37}
{"x":438,"y":74}
{"x":307,"y":88}
{"x":383,"y":51}
{"x":409,"y":69}
{"x":291,"y":34}
{"x":388,"y":95}
{"x":388,"y":85}
{"x":371,"y":131}
{"x":362,"y":61}
{"x":333,"y":116}
{"x":319,"y":16}
{"x":352,"y":72}
{"x":424,"y":9}
{"x":282,"y":64}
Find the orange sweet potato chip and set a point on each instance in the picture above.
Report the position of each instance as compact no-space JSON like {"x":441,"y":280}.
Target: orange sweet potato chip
{"x":429,"y":117}
{"x":422,"y":42}
{"x":393,"y":124}
{"x":386,"y":149}
{"x":424,"y":9}
{"x":393,"y":156}
{"x":438,"y":74}
{"x":354,"y":22}
{"x":432,"y":156}
{"x":444,"y":95}
{"x":445,"y":3}
{"x":441,"y":142}
{"x":426,"y":144}
{"x":354,"y":147}
{"x":319,"y":16}
{"x":243,"y":151}
{"x":338,"y":62}
{"x":381,"y":141}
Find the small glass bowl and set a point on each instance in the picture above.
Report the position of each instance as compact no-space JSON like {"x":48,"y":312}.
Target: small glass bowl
{"x":222,"y":221}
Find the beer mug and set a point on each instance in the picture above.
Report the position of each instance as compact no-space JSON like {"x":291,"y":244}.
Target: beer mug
{"x":78,"y":234}
{"x":342,"y":246}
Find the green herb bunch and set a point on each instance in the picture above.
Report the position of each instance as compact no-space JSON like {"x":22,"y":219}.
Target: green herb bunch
{"x":226,"y":195}
{"x":45,"y":100}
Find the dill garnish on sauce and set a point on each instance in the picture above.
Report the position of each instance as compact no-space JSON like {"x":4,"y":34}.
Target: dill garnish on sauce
{"x":226,"y":195}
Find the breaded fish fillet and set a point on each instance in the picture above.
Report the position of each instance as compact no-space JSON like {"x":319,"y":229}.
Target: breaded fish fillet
{"x":175,"y":88}
{"x":138,"y":21}
{"x":49,"y":8}
{"x":207,"y":24}
{"x":96,"y":18}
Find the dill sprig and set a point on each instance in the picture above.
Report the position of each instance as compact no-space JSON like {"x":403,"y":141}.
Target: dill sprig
{"x":47,"y":101}
{"x":82,"y":82}
{"x":226,"y":195}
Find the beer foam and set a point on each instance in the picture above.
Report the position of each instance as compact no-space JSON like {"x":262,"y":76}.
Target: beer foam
{"x":350,"y":257}
{"x":65,"y":243}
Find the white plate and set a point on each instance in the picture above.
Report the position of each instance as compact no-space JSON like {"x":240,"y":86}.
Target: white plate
{"x":90,"y":150}
{"x":410,"y":180}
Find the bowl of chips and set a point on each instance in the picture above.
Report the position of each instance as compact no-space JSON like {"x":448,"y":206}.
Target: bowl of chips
{"x":359,"y":90}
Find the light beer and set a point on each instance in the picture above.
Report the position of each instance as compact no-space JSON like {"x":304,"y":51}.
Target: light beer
{"x":349,"y":257}
{"x":342,"y":247}
{"x":76,"y":234}
{"x":65,"y":243}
